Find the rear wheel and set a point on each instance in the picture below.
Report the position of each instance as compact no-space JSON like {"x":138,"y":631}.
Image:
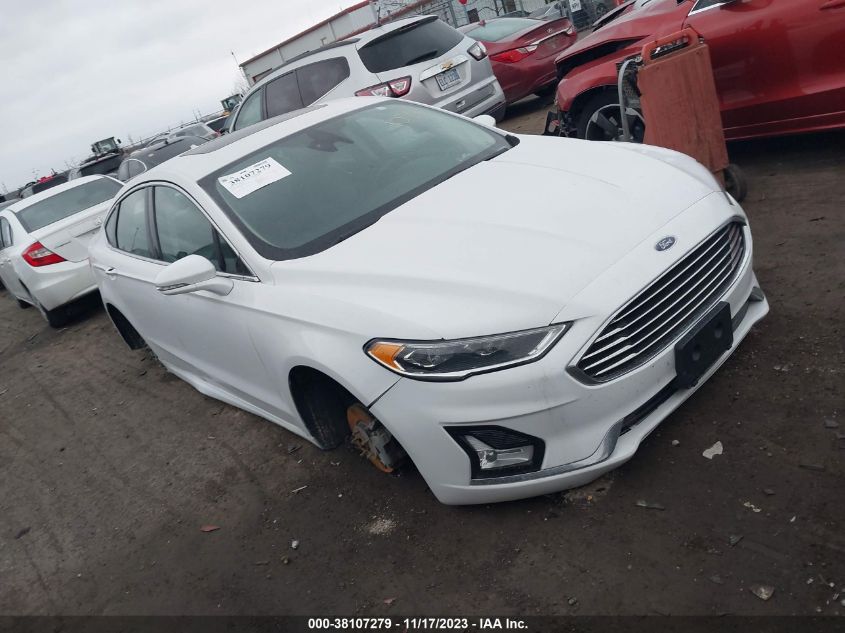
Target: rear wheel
{"x":55,"y":318}
{"x":601,"y":120}
{"x":23,"y":305}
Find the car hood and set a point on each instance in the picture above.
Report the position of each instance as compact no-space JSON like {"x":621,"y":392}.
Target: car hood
{"x":504,"y":245}
{"x":655,"y":19}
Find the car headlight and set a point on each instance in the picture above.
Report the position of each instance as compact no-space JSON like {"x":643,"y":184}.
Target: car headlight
{"x":460,"y":358}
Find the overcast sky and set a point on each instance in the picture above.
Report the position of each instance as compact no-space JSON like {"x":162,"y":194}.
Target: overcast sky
{"x":76,"y":71}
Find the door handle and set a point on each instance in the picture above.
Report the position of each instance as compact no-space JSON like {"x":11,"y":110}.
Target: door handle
{"x":110,"y":271}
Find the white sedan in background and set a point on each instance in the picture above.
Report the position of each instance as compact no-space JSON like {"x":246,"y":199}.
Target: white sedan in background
{"x":435,"y":287}
{"x":44,"y":244}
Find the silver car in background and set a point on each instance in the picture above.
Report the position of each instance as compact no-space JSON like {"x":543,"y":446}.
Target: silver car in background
{"x":421,"y":59}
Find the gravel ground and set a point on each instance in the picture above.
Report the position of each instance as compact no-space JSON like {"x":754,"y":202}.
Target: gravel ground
{"x":110,"y":468}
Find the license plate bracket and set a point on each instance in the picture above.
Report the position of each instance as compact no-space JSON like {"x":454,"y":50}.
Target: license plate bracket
{"x":711,"y":337}
{"x":448,"y":78}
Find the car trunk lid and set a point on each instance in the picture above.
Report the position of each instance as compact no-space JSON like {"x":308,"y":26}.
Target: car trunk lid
{"x":550,"y":38}
{"x":69,"y":236}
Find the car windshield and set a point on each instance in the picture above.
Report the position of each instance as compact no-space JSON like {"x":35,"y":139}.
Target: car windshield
{"x":408,"y":45}
{"x":496,"y":30}
{"x":55,"y":181}
{"x":217,"y":124}
{"x":191,"y":130}
{"x":101,"y":167}
{"x":329,"y":181}
{"x":67,"y":203}
{"x":152,"y":156}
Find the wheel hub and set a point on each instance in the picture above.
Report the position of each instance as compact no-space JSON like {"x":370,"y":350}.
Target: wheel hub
{"x":373,"y":440}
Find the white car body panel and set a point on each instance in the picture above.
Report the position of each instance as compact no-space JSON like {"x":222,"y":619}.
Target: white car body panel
{"x":477,"y":254}
{"x":58,"y":284}
{"x":485,"y":269}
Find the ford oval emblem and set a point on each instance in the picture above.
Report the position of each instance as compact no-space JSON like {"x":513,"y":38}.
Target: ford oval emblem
{"x":665,"y":244}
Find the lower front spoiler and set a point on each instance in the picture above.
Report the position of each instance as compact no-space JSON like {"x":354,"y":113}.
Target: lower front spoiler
{"x":619,"y":443}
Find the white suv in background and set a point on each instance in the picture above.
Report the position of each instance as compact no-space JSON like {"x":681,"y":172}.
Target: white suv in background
{"x":421,"y":59}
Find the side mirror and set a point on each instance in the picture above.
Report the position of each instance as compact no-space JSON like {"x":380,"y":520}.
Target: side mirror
{"x":191,"y":274}
{"x":485,"y":119}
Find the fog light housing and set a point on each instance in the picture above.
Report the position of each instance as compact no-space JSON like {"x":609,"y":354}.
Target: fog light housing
{"x":495,"y":451}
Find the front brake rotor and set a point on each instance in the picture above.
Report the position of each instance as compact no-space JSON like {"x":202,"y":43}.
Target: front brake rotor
{"x":373,"y":440}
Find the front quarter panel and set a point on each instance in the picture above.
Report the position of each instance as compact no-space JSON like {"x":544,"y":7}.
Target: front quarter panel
{"x":291,"y":329}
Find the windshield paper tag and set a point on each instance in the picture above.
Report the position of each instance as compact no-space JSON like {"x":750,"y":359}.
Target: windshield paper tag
{"x":252,"y":178}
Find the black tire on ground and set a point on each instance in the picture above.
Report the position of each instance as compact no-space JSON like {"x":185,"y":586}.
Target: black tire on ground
{"x":325,"y":427}
{"x":55,"y":318}
{"x":735,"y":183}
{"x":600,"y":120}
{"x":546,"y":91}
{"x":322,"y":403}
{"x":23,"y":305}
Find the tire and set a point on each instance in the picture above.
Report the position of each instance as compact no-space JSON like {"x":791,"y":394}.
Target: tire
{"x":23,"y":305}
{"x":735,"y":183}
{"x":322,"y":404}
{"x":55,"y":318}
{"x":599,"y":119}
{"x":546,"y":91}
{"x":326,"y":427}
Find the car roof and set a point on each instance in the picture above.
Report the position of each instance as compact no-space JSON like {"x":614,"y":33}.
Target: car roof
{"x":163,"y":143}
{"x":187,"y":125}
{"x":361,"y":40}
{"x":211,"y":156}
{"x":71,"y":184}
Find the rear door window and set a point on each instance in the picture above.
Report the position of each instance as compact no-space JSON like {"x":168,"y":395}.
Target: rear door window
{"x":5,"y":234}
{"x":408,"y":45}
{"x":250,"y":111}
{"x":282,"y":95}
{"x":135,"y":167}
{"x":131,"y":233}
{"x":315,"y":80}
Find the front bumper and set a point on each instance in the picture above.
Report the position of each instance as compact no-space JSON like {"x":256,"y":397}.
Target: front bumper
{"x":587,"y":429}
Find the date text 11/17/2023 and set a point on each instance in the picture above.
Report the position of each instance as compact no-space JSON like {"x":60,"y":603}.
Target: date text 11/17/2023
{"x":417,"y":624}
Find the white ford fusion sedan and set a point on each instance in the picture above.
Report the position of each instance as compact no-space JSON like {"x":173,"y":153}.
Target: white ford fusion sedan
{"x":515,"y":314}
{"x":44,"y":244}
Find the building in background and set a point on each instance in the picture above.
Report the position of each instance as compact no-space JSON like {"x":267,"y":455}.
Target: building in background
{"x":364,"y":15}
{"x":355,"y":19}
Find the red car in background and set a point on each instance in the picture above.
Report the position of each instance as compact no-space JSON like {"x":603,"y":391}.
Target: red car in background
{"x":779,"y":65}
{"x":523,"y":52}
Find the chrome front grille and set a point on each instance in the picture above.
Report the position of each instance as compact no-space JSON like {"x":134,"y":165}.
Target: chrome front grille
{"x":666,"y":308}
